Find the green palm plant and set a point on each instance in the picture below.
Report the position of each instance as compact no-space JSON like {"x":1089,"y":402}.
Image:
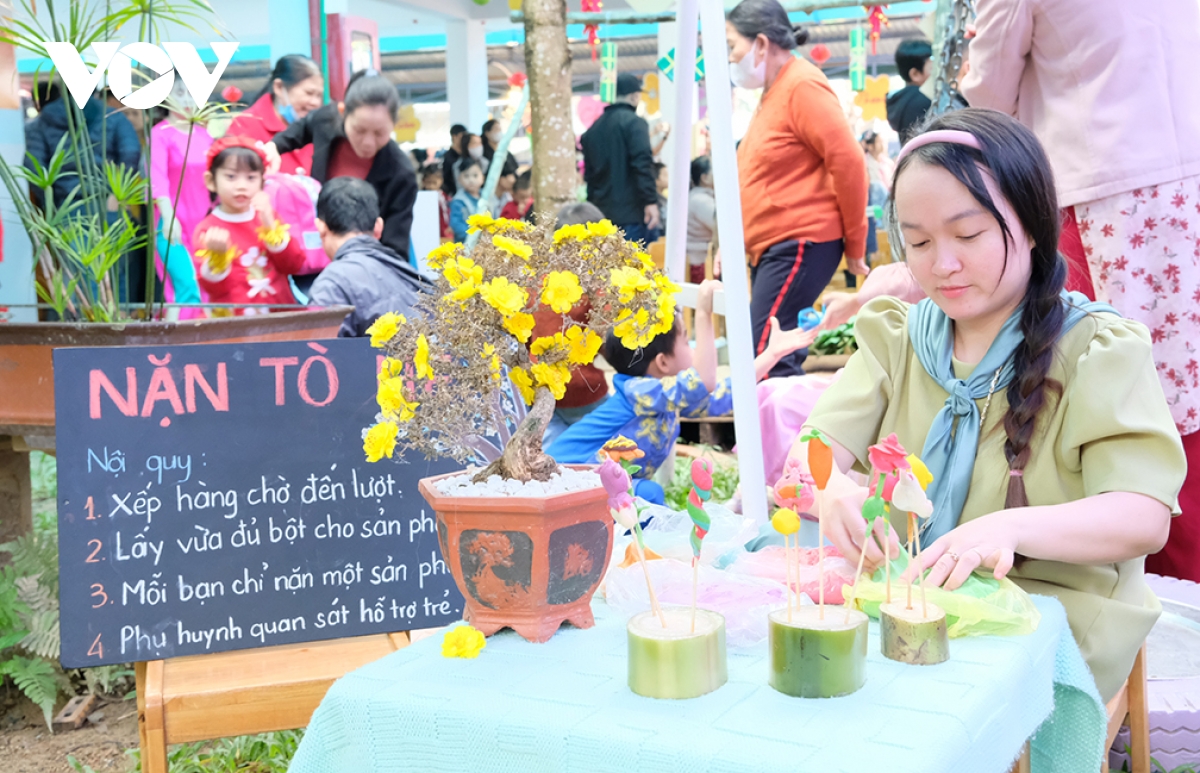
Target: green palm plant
{"x":79,"y":242}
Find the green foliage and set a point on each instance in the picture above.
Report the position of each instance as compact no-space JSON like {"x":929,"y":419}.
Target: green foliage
{"x":37,"y":678}
{"x":29,"y":629}
{"x":840,"y":340}
{"x":266,"y":753}
{"x":725,"y":482}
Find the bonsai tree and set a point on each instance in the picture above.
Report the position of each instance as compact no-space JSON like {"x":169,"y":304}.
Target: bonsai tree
{"x":442,"y":384}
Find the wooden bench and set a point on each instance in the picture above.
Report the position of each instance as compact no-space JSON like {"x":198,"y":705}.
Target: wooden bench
{"x":202,"y":697}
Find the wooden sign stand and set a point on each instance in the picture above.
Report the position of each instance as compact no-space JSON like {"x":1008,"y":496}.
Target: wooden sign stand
{"x":202,"y":697}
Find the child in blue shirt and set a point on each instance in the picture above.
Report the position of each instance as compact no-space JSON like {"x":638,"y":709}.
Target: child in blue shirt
{"x":654,"y":386}
{"x":466,"y":202}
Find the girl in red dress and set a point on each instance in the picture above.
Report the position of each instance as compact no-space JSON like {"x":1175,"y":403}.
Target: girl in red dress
{"x":246,"y":252}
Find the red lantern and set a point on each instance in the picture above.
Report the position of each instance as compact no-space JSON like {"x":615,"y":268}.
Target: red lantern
{"x":877,"y":19}
{"x":231,"y":94}
{"x":820,"y":54}
{"x":592,"y":30}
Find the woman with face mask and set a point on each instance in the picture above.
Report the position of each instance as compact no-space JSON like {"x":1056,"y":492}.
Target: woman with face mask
{"x":803,"y":177}
{"x":353,"y":138}
{"x":294,"y":90}
{"x":470,"y":146}
{"x":491,"y":141}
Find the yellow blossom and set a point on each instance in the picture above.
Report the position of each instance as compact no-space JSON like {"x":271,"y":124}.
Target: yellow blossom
{"x":504,"y":296}
{"x":553,"y":377}
{"x":380,"y":441}
{"x":634,"y":329}
{"x":489,"y":351}
{"x":478,"y":223}
{"x":520,"y":378}
{"x":421,"y":358}
{"x":629,"y":281}
{"x":578,"y":232}
{"x":392,"y":401}
{"x":459,"y":270}
{"x":438,"y":256}
{"x":463,"y":641}
{"x":384,"y":329}
{"x":584,"y":345}
{"x":520,"y":325}
{"x":514,"y":247}
{"x":647,"y":262}
{"x":561,"y":291}
{"x":390,"y":368}
{"x":666,"y":308}
{"x":544,"y":344}
{"x":602,"y":229}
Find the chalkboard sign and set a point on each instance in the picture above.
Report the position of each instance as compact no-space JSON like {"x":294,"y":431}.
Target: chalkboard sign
{"x":216,"y":497}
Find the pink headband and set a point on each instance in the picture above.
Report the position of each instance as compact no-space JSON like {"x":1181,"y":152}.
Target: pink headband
{"x":953,"y":136}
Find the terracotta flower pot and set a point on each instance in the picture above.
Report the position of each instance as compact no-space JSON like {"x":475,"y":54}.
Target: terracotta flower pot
{"x":526,"y":563}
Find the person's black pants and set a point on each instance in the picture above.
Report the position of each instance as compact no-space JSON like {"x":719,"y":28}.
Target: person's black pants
{"x":788,"y":279}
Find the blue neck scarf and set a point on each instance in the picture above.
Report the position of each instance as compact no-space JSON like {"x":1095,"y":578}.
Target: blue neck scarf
{"x":950,"y":450}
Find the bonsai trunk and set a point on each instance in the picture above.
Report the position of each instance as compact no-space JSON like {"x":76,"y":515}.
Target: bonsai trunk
{"x":548,"y":66}
{"x":523,"y":458}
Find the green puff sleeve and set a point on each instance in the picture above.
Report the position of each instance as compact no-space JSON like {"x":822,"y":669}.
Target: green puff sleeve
{"x":1117,"y":429}
{"x":851,"y":411}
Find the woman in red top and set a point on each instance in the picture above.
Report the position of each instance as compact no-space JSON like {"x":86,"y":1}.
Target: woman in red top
{"x":294,"y":90}
{"x":246,"y":252}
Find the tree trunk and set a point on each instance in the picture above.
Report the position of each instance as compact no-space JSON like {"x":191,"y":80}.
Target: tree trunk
{"x":523,"y":458}
{"x":548,"y":66}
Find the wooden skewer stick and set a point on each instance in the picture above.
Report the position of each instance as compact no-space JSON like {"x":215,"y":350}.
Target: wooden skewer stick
{"x":857,"y":575}
{"x":911,"y":580}
{"x":820,"y":556}
{"x":649,"y":585}
{"x":695,"y":586}
{"x":787,"y":554}
{"x":887,"y":556}
{"x":921,"y":579}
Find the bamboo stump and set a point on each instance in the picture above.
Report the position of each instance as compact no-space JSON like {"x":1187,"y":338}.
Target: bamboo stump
{"x":908,"y":636}
{"x":674,"y":662}
{"x":815,"y":658}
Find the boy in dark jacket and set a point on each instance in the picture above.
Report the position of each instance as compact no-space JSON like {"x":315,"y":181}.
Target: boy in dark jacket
{"x":907,"y":107}
{"x":365,"y":273}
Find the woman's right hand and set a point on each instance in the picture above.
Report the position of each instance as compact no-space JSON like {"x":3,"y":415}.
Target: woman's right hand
{"x":846,"y":528}
{"x":273,"y":159}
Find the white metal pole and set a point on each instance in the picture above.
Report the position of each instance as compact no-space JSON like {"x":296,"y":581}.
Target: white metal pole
{"x":681,"y":159}
{"x":733,"y":260}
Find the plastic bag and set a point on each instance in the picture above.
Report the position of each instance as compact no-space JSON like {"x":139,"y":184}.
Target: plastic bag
{"x":771,"y":564}
{"x":982,"y":606}
{"x":294,"y":199}
{"x":745,"y":601}
{"x":667,"y":534}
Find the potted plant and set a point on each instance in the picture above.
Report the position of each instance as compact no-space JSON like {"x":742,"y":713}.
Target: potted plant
{"x":526,"y":541}
{"x":78,"y":242}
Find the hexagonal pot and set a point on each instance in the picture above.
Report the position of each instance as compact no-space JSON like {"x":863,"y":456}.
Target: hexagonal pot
{"x":526,"y":563}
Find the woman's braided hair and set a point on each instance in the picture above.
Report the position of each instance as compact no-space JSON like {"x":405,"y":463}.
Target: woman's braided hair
{"x":1021,"y":172}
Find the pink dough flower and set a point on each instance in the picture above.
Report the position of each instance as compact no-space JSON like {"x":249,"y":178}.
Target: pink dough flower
{"x":888,"y":455}
{"x":617,"y":483}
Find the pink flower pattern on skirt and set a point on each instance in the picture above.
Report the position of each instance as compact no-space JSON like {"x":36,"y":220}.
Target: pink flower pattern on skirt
{"x":1143,"y":249}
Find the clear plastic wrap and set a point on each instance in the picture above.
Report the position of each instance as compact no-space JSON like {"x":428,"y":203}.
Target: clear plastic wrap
{"x":771,"y":564}
{"x":667,"y":534}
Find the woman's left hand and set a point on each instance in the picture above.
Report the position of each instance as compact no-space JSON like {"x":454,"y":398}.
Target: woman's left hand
{"x":983,"y":543}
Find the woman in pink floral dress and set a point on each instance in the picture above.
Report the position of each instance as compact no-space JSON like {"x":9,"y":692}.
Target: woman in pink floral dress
{"x":1109,"y":88}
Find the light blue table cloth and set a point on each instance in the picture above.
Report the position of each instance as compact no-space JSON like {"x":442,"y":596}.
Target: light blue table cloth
{"x":565,"y":706}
